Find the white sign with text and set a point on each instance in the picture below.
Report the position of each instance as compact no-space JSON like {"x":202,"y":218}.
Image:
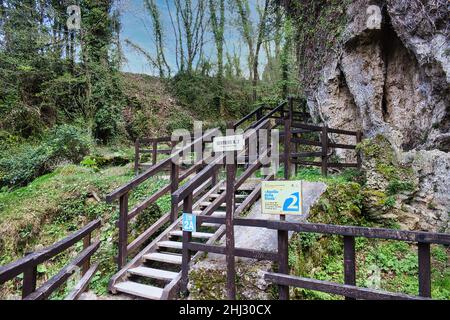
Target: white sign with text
{"x":229,"y":143}
{"x":282,"y":197}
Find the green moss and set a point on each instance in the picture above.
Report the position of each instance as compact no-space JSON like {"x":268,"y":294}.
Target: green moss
{"x":340,"y":204}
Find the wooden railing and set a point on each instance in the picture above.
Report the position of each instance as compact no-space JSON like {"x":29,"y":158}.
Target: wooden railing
{"x":185,"y":193}
{"x":122,"y":194}
{"x":285,"y":108}
{"x":29,"y":264}
{"x":292,"y":129}
{"x":143,"y":146}
{"x":349,"y":233}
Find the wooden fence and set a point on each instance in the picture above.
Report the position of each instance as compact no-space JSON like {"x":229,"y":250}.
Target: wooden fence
{"x":28,"y":266}
{"x":349,"y":233}
{"x":290,"y":134}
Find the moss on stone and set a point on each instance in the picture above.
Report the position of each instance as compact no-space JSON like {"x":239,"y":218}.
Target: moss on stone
{"x":340,"y":204}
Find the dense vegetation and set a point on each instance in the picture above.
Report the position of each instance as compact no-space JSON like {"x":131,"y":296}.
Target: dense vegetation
{"x":386,"y":265}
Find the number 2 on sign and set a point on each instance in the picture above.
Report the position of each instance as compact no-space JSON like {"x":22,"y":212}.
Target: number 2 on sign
{"x":292,"y":203}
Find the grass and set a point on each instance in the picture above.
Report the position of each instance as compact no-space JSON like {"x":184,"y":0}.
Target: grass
{"x":57,"y":204}
{"x":384,"y":265}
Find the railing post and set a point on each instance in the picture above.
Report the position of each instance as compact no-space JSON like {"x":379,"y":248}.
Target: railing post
{"x":136,"y":156}
{"x":155,"y":152}
{"x":325,"y":150}
{"x":229,"y":225}
{"x":186,"y":253}
{"x":296,"y":151}
{"x":349,"y":262}
{"x":291,"y":108}
{"x":283,"y":259}
{"x":258,"y":115}
{"x":424,"y":270}
{"x":358,"y":156}
{"x":214,"y":177}
{"x":86,"y":244}
{"x":29,"y":280}
{"x":123,"y":230}
{"x":287,"y":148}
{"x":174,"y":183}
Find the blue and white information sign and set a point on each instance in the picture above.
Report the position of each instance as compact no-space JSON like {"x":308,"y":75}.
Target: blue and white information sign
{"x":282,"y":197}
{"x":189,"y":222}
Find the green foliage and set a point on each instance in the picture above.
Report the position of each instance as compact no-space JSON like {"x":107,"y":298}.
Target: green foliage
{"x":62,"y":144}
{"x":315,"y":175}
{"x":44,"y":83}
{"x":89,"y":162}
{"x":397,"y":186}
{"x":385,"y":265}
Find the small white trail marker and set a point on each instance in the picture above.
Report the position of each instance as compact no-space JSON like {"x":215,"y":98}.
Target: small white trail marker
{"x":229,"y":143}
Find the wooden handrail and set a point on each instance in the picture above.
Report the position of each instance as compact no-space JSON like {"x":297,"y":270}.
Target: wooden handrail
{"x":205,"y":174}
{"x":267,"y":116}
{"x":15,"y":268}
{"x":247,"y":117}
{"x":56,"y":281}
{"x":327,"y":229}
{"x":155,"y":169}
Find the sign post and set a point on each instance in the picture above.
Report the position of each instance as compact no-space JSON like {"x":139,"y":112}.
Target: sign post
{"x":230,"y":144}
{"x":282,"y":198}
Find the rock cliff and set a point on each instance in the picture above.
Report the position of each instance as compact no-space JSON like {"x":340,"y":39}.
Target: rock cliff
{"x":387,"y":73}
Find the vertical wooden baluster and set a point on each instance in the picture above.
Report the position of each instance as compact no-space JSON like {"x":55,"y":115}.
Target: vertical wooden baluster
{"x":296,"y":151}
{"x":287,"y":148}
{"x":230,"y":202}
{"x":291,"y":109}
{"x":155,"y":152}
{"x":136,"y":156}
{"x":186,"y":253}
{"x":358,"y":155}
{"x":123,"y":230}
{"x":214,"y":177}
{"x":424,"y":270}
{"x":324,"y":150}
{"x":86,"y":244}
{"x":29,"y":279}
{"x":349,"y":262}
{"x":174,"y":183}
{"x":283,"y":259}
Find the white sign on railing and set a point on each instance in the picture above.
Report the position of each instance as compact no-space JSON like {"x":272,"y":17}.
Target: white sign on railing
{"x":229,"y":143}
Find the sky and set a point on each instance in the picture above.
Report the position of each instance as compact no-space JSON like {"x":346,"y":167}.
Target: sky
{"x":136,"y":26}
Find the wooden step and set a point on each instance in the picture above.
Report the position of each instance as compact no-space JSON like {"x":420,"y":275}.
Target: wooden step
{"x":198,"y":235}
{"x":211,"y":225}
{"x":170,"y":244}
{"x":140,"y":290}
{"x":207,"y":204}
{"x":163,"y":257}
{"x":153,"y":273}
{"x":219,"y":214}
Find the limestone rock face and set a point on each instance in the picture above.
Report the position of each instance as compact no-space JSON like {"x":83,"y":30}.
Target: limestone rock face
{"x":393,"y":79}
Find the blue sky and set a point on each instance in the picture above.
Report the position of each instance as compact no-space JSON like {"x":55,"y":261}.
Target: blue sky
{"x":136,"y":26}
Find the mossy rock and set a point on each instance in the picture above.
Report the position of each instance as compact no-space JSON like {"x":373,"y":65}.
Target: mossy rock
{"x":340,"y":204}
{"x":376,"y":203}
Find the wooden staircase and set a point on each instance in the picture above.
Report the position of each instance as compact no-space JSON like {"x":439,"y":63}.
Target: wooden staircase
{"x":155,"y":272}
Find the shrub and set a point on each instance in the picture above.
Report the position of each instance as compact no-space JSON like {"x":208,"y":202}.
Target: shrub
{"x":63,"y":144}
